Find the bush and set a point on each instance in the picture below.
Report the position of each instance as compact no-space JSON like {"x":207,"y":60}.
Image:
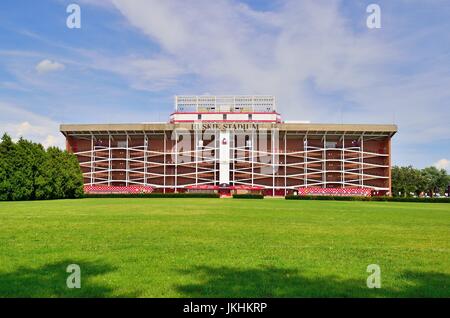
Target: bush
{"x":390,"y":199}
{"x":248,"y":196}
{"x":152,"y":195}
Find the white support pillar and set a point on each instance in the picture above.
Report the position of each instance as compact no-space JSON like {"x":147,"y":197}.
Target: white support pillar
{"x":253,"y":155}
{"x":233,"y":156}
{"x":127,"y":162}
{"x":285,"y":163}
{"x":109,"y":160}
{"x":324,"y":162}
{"x":214,"y":161}
{"x":217,"y":156}
{"x":196,"y":147}
{"x":305,"y":160}
{"x":343,"y":162}
{"x":224,"y":157}
{"x":92,"y":159}
{"x":176,"y":161}
{"x":145,"y":158}
{"x":362,"y":160}
{"x":272,"y":138}
{"x":164,"y":163}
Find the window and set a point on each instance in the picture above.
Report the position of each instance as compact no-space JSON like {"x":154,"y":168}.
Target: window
{"x":224,"y":116}
{"x":249,"y":116}
{"x":199,"y":116}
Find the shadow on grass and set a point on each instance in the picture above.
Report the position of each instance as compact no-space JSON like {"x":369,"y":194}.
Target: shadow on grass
{"x":274,"y":282}
{"x":50,"y":281}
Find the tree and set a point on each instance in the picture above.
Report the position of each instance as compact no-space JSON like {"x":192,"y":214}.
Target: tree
{"x":64,"y":171}
{"x":436,"y":180}
{"x":29,"y":172}
{"x":48,"y":185}
{"x":28,"y":161}
{"x":396,"y":181}
{"x":6,"y":167}
{"x":406,"y":180}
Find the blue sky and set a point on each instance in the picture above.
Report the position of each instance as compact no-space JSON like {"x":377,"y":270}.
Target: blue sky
{"x":317,"y":57}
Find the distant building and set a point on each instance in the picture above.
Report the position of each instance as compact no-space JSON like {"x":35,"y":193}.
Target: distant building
{"x":226,"y":143}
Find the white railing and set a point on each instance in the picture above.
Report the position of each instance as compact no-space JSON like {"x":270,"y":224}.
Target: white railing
{"x":272,"y":167}
{"x":206,"y":103}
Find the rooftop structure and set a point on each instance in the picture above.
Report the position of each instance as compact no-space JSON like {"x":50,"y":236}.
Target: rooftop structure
{"x":225,"y":109}
{"x":239,"y":103}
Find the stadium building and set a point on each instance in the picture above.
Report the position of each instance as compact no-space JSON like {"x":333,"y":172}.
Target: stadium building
{"x":230,"y":144}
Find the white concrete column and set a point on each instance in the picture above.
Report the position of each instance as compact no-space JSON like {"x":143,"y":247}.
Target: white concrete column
{"x":224,"y":157}
{"x":109,"y":160}
{"x":92,"y":159}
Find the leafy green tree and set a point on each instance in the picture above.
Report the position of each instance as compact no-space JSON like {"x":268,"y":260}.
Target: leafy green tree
{"x":406,"y":180}
{"x":21,"y":175}
{"x":443,"y":181}
{"x":29,"y":172}
{"x":436,"y":180}
{"x":28,"y":161}
{"x":396,"y":180}
{"x":47,"y":181}
{"x":6,"y":167}
{"x":421,"y":184}
{"x":64,"y":171}
{"x":74,"y":185}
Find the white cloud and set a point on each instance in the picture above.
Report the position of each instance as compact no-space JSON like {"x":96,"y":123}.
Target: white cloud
{"x":52,"y":140}
{"x":151,"y":73}
{"x":46,"y":66}
{"x":443,"y":164}
{"x":19,"y":122}
{"x":308,"y":55}
{"x":23,"y":128}
{"x":233,"y":49}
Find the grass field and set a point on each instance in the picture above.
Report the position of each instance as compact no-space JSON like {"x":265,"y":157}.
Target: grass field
{"x":223,"y":248}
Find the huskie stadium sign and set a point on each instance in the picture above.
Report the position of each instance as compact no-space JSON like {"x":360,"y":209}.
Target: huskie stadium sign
{"x":225,"y":126}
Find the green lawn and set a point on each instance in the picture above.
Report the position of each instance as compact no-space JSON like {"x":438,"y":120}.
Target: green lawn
{"x":223,"y":248}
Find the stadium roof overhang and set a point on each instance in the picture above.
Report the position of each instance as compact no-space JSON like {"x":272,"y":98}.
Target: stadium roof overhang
{"x":289,"y":128}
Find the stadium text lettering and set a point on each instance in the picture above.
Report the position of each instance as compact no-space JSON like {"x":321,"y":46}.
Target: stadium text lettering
{"x":226,"y":126}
